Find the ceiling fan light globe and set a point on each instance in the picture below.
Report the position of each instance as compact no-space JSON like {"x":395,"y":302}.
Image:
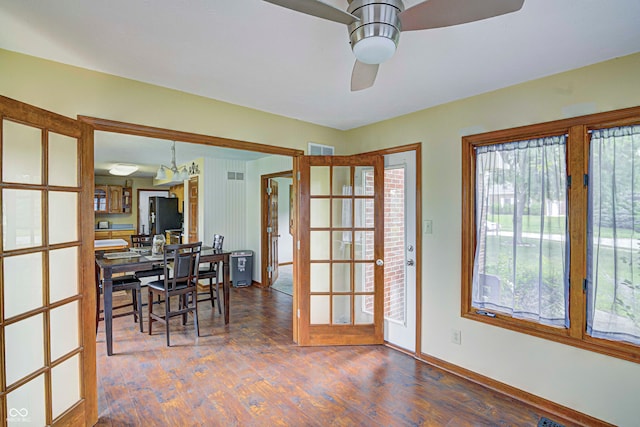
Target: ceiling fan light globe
{"x":374,"y":50}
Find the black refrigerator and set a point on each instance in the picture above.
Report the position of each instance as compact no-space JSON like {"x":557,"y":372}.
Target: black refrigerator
{"x":163,"y":215}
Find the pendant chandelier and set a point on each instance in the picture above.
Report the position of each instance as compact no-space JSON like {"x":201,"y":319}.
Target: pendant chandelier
{"x":178,"y":174}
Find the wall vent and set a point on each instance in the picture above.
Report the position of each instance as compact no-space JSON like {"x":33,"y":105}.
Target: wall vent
{"x":320,"y":150}
{"x":235,"y":176}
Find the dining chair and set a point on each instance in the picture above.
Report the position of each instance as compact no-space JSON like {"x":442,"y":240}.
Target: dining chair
{"x":121,"y":283}
{"x":144,"y":241}
{"x":180,"y":279}
{"x":210,"y":271}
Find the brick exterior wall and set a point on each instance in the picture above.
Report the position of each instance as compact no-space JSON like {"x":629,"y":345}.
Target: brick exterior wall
{"x":394,"y":244}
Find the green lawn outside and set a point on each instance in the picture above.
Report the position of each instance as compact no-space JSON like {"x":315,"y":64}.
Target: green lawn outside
{"x":553,"y":225}
{"x":528,"y":262}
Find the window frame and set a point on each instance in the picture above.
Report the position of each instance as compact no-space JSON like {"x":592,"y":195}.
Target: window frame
{"x":577,"y":129}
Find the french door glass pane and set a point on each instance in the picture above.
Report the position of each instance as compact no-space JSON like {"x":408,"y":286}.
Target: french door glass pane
{"x":341,"y":180}
{"x":364,"y":309}
{"x":364,"y":181}
{"x":320,"y":180}
{"x":65,"y":385}
{"x":21,"y":153}
{"x":25,"y":339}
{"x":22,"y":283}
{"x":342,"y":245}
{"x":25,"y":405}
{"x":341,"y":213}
{"x":63,"y":273}
{"x":320,"y":277}
{"x":319,"y":215}
{"x":342,"y":309}
{"x":321,"y":244}
{"x":64,"y":329}
{"x":320,"y":310}
{"x":63,"y":160}
{"x":63,"y":217}
{"x":21,"y":218}
{"x":364,"y":213}
{"x":341,"y":277}
{"x":363,"y":245}
{"x":364,"y":276}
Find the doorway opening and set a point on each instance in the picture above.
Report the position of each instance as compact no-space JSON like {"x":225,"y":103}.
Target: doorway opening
{"x":277,"y":231}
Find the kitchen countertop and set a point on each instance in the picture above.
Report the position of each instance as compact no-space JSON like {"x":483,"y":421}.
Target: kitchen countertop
{"x":115,"y":229}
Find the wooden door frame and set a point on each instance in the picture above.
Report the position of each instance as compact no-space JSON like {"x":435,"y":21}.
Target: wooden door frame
{"x":89,"y":126}
{"x":264,"y":237}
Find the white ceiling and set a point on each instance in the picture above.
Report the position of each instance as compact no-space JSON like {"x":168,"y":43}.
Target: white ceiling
{"x":149,"y":153}
{"x":256,"y":54}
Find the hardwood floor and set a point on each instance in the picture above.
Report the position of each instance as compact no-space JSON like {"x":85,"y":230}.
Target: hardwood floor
{"x":249,"y":373}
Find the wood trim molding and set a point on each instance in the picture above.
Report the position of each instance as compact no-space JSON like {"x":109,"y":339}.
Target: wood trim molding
{"x":554,"y":410}
{"x":176,"y":135}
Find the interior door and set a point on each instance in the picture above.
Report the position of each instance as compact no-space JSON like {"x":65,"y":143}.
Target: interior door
{"x":193,"y":209}
{"x":341,"y":250}
{"x":273,"y":232}
{"x":47,"y":352}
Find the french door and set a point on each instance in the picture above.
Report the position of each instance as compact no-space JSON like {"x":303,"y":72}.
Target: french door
{"x":47,"y":349}
{"x":341,"y":250}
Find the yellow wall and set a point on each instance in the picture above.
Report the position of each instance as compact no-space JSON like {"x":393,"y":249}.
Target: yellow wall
{"x":598,"y":385}
{"x":137,"y":183}
{"x":73,"y":91}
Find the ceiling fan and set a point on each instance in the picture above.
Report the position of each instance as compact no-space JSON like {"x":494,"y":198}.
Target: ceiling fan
{"x":375,"y":25}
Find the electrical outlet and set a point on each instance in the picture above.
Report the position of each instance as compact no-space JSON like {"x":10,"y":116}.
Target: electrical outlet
{"x":456,"y":336}
{"x":428,"y":226}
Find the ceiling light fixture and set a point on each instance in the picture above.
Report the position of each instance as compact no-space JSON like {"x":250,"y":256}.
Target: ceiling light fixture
{"x":178,"y":174}
{"x":374,"y":37}
{"x":123,"y":169}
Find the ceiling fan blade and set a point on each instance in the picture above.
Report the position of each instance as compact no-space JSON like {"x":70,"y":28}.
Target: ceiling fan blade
{"x":363,"y":75}
{"x":317,"y":8}
{"x":445,"y":13}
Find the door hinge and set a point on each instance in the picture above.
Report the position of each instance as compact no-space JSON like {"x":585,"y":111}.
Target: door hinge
{"x":298,"y":313}
{"x":569,"y":181}
{"x":585,"y":179}
{"x":298,"y":175}
{"x":269,"y":190}
{"x":584,"y":285}
{"x":298,"y":244}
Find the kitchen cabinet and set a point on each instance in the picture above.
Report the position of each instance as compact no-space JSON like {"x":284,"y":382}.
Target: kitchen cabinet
{"x":100,"y":199}
{"x":112,"y":199}
{"x":115,"y":199}
{"x":114,"y":234}
{"x":127,"y":199}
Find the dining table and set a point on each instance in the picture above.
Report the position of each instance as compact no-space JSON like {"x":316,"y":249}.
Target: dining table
{"x":110,"y":263}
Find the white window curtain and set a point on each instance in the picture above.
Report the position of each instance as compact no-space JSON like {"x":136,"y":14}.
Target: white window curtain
{"x":613,"y":250}
{"x":521,"y":261}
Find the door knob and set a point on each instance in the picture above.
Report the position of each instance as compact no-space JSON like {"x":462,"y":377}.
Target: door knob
{"x":379,"y":262}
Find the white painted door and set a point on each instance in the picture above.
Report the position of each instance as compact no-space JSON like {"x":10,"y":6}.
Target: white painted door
{"x":400,"y":249}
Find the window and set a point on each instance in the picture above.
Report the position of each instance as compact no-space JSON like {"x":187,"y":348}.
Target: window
{"x":613,"y":254}
{"x":551,"y":231}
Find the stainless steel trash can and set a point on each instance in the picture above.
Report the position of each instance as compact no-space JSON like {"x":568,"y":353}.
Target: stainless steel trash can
{"x":241,"y":268}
